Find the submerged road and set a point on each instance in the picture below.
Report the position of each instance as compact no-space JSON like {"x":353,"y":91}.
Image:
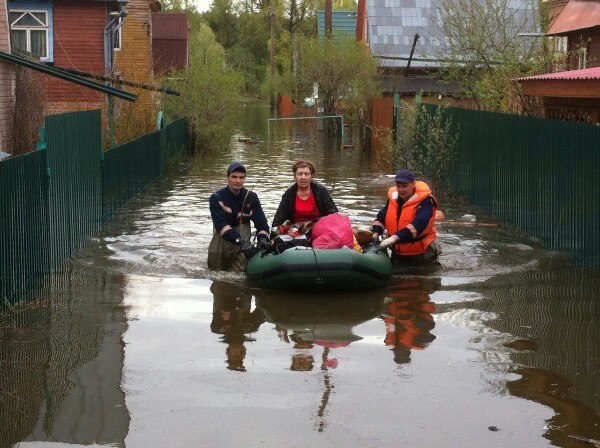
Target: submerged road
{"x":143,"y":346}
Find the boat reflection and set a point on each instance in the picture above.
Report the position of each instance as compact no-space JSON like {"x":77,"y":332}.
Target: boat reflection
{"x":319,"y":321}
{"x":408,"y":317}
{"x":234,"y":319}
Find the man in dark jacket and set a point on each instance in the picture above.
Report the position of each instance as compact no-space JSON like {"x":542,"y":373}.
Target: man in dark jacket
{"x":232,"y":208}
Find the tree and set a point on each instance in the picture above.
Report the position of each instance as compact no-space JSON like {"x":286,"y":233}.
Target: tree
{"x":223,"y":20}
{"x":486,"y":50}
{"x":210,"y":92}
{"x":344,"y":71}
{"x":425,"y":142}
{"x":250,"y":54}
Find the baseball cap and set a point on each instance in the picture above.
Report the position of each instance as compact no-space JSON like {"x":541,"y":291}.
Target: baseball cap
{"x":405,"y":176}
{"x":235,"y":166}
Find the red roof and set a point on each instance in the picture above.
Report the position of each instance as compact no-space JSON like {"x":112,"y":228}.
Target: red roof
{"x":576,"y":15}
{"x":586,"y":73}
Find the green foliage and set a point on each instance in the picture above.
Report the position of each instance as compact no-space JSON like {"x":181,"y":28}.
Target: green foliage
{"x":210,"y":91}
{"x":486,"y":52}
{"x":223,"y":20}
{"x":341,"y":67}
{"x":250,"y":54}
{"x":243,"y":28}
{"x":187,"y":6}
{"x":425,"y":143}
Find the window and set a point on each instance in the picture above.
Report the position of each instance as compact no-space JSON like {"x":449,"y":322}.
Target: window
{"x":561,"y":44}
{"x":29,"y":31}
{"x":582,"y":58}
{"x":117,"y":35}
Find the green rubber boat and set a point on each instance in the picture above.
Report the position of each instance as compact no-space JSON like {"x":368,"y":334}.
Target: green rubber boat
{"x":320,"y":269}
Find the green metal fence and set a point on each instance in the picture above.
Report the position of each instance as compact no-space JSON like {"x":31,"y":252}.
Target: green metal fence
{"x":74,"y":148}
{"x":130,"y":167}
{"x":24,"y":225}
{"x":538,"y":175}
{"x":51,"y":200}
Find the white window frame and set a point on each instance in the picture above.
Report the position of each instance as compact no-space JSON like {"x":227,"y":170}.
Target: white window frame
{"x":111,"y":16}
{"x":582,"y":54}
{"x":29,"y":28}
{"x":561,"y":44}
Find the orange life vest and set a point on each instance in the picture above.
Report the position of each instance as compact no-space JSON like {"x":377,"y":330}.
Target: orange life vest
{"x":393,"y":222}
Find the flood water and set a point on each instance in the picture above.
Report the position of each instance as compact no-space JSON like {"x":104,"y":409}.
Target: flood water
{"x":143,"y":346}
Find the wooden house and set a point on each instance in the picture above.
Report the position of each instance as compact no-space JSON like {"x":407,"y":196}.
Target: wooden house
{"x":66,"y":34}
{"x":576,"y":29}
{"x":71,"y":34}
{"x":6,"y":84}
{"x":572,"y":95}
{"x":569,"y":96}
{"x":170,"y":41}
{"x":134,"y":62}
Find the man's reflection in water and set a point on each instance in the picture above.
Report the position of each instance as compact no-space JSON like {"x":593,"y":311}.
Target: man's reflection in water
{"x":234,"y":319}
{"x":302,"y":362}
{"x":408,"y":319}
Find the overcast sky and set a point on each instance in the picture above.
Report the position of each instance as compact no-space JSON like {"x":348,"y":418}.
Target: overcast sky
{"x":202,"y":5}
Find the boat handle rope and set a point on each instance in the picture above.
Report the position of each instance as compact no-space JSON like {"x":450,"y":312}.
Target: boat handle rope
{"x":319,"y":278}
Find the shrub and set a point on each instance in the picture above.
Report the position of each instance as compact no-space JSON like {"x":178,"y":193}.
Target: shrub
{"x":425,"y":142}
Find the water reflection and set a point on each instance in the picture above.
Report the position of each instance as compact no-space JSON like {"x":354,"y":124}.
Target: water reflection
{"x":408,"y":318}
{"x":559,"y":310}
{"x":62,"y":364}
{"x":329,"y":355}
{"x":571,"y":418}
{"x":319,"y":322}
{"x":234,"y":318}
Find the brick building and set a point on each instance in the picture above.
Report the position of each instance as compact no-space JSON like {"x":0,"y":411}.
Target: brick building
{"x":133,"y":62}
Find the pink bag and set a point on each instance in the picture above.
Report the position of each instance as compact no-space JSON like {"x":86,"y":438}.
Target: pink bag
{"x":333,"y":232}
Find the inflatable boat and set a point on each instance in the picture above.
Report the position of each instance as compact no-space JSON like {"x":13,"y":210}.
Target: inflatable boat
{"x":306,"y":268}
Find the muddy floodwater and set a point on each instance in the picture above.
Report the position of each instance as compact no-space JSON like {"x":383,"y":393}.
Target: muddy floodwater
{"x":140,"y":345}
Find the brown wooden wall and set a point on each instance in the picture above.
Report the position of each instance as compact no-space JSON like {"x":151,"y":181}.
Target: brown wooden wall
{"x":382,"y":117}
{"x":589,"y":38}
{"x":581,"y":110}
{"x":134,"y":63}
{"x":170,"y":41}
{"x":285,"y":106}
{"x":6,"y":84}
{"x":78,"y":44}
{"x":169,"y":54}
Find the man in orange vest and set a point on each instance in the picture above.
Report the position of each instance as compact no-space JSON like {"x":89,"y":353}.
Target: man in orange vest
{"x":408,"y":217}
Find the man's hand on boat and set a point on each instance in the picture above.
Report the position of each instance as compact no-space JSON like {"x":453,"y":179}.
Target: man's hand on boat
{"x":262,"y":241}
{"x":389,"y":241}
{"x":248,"y":249}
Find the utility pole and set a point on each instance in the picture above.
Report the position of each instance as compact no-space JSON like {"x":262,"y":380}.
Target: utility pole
{"x":272,"y":18}
{"x":328,"y":17}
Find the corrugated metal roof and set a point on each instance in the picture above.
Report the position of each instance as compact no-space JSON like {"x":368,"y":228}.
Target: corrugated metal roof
{"x":392,"y":25}
{"x":170,"y":25}
{"x":342,"y":22}
{"x":586,"y":73}
{"x":576,"y":15}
